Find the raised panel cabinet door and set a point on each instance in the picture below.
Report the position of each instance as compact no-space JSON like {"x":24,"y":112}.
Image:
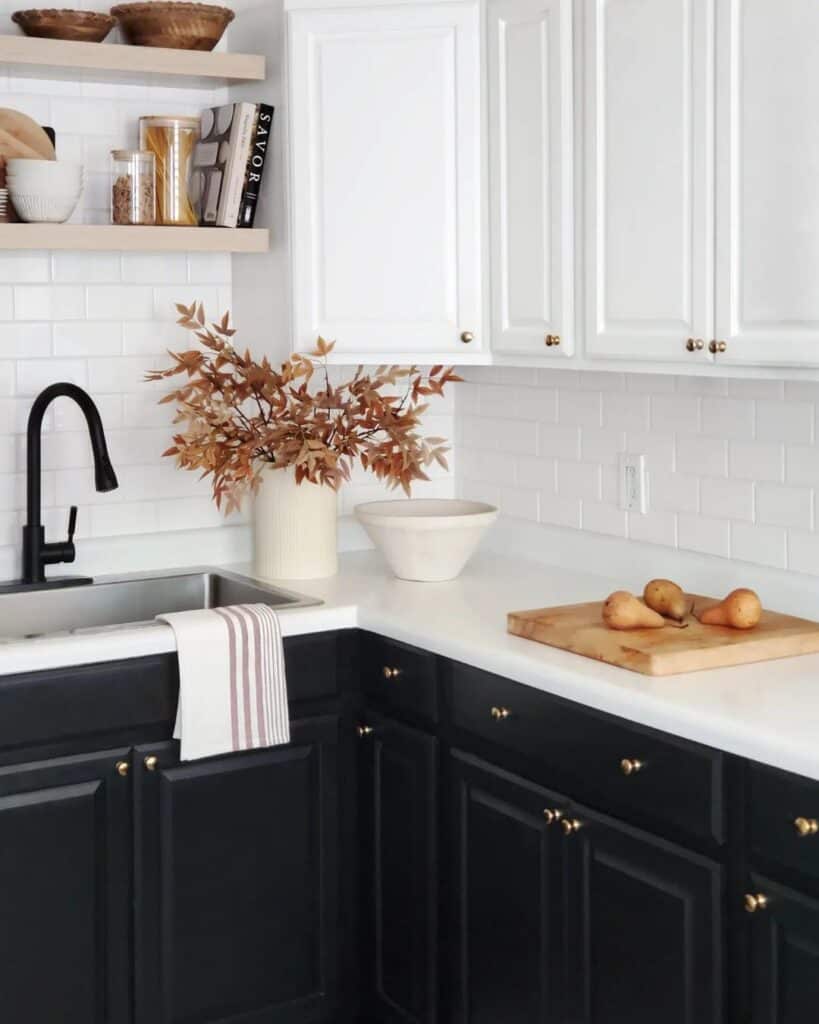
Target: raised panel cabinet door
{"x":649,"y":178}
{"x":399,"y":812}
{"x":644,"y":927}
{"x":385,"y":171}
{"x":237,"y":883}
{"x":531,"y":171}
{"x":65,"y":890}
{"x":506,"y":952}
{"x":767,"y":302}
{"x":784,"y":966}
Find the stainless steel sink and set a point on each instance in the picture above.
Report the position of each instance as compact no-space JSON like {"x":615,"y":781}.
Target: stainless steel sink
{"x":119,"y":602}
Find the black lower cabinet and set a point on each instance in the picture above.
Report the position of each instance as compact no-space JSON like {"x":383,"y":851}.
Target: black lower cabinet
{"x":399,"y":850}
{"x":507,"y":894}
{"x":784,"y":942}
{"x":65,"y":871}
{"x":237,"y":881}
{"x":644,"y":932}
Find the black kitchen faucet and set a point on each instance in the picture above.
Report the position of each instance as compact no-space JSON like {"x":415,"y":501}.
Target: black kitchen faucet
{"x":37,"y":552}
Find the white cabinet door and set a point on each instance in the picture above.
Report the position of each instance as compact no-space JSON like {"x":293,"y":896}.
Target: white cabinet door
{"x":767,"y":303}
{"x":649,"y":167}
{"x":385,"y":151}
{"x":531,"y":169}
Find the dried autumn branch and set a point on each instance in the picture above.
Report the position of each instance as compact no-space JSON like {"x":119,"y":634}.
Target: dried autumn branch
{"x":239,"y":416}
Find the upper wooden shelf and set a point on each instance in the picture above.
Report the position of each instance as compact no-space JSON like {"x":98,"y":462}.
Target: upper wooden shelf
{"x":102,"y":62}
{"x":130,"y":238}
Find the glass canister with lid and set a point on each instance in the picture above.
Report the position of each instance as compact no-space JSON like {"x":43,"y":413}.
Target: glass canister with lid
{"x":133,"y":187}
{"x":172,"y":141}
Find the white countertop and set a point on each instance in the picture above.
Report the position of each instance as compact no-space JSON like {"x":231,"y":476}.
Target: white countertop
{"x":768,"y":712}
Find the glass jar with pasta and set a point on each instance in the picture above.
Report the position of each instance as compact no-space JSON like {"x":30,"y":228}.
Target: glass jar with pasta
{"x":172,"y":141}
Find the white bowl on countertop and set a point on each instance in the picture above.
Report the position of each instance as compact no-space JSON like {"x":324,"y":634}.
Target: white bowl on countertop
{"x":427,"y":540}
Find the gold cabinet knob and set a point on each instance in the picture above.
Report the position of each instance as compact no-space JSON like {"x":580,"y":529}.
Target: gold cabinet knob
{"x":806,"y":826}
{"x":552,"y":339}
{"x":695,"y":344}
{"x":570,"y":826}
{"x":151,"y":763}
{"x":123,"y":768}
{"x":467,"y":336}
{"x":499,"y":714}
{"x":630,"y":766}
{"x":390,"y":673}
{"x":552,"y":815}
{"x":755,"y":901}
{"x":364,"y":730}
{"x":717,"y":346}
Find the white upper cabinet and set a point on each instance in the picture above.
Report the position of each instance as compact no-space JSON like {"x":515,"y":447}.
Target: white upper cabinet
{"x":649,"y":264}
{"x":529,"y":63}
{"x":767,"y":302}
{"x":386,"y":178}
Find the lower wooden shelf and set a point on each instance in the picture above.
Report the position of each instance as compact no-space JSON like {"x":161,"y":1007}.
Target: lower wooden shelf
{"x":127,"y":238}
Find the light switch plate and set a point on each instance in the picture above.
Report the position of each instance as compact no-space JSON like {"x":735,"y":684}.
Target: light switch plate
{"x":633,"y":482}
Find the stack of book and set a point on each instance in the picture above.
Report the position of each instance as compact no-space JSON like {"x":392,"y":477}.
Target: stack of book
{"x":229,"y":163}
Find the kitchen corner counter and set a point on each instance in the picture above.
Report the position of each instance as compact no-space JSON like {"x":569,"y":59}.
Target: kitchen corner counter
{"x":768,"y":712}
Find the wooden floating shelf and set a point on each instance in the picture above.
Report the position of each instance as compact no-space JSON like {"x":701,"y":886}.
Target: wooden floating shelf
{"x":102,"y":62}
{"x":131,"y":238}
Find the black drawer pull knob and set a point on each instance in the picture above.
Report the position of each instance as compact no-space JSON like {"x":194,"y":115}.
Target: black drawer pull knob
{"x":499,"y":714}
{"x":364,"y":730}
{"x":755,"y":901}
{"x":806,"y":826}
{"x":630,"y":766}
{"x":122,"y":768}
{"x":552,"y":815}
{"x":570,"y":826}
{"x":390,"y":673}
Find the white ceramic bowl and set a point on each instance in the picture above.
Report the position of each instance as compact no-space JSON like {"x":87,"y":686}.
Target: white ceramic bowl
{"x":429,"y":540}
{"x":30,"y":176}
{"x":42,"y":207}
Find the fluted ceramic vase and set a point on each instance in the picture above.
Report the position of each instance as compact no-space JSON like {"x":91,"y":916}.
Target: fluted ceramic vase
{"x":295,"y":528}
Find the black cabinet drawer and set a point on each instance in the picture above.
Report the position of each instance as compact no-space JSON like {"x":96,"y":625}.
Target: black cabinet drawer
{"x":594,"y":756}
{"x":783,"y":818}
{"x":399,"y":677}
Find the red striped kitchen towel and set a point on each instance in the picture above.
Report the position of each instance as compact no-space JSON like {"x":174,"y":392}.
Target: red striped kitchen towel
{"x":232,"y":683}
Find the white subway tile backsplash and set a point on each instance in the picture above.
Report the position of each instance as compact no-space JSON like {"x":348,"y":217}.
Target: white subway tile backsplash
{"x":24,"y":267}
{"x":784,"y":421}
{"x":732,"y":466}
{"x":727,"y":499}
{"x":88,"y":339}
{"x":778,"y":505}
{"x":120,"y":301}
{"x":35,"y":374}
{"x":520,"y":503}
{"x":21,"y":341}
{"x":708,"y":536}
{"x":86,"y":267}
{"x":578,"y":480}
{"x":756,"y":460}
{"x":764,"y":545}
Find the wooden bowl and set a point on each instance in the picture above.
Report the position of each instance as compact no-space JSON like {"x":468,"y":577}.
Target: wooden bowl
{"x":75,"y":26}
{"x":179,"y":26}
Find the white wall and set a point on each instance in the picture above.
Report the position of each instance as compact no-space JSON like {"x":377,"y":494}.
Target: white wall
{"x":100,"y":320}
{"x":733,"y":465}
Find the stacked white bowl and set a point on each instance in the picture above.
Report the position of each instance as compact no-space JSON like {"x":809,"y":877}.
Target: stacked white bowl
{"x":44,"y":191}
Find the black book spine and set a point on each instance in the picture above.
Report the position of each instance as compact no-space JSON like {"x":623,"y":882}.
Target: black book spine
{"x":255,"y":166}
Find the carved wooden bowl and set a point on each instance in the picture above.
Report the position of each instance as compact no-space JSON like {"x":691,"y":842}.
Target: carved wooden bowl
{"x":180,"y":26}
{"x":75,"y":26}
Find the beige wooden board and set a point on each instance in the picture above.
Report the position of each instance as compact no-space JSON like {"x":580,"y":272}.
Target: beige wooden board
{"x":132,"y":238}
{"x":117,"y":62}
{"x":660,"y":652}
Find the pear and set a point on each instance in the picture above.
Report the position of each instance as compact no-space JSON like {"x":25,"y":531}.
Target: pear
{"x":741,"y":609}
{"x":622,"y":610}
{"x":665,"y":597}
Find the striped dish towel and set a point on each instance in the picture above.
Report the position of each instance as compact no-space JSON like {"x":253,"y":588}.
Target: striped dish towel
{"x":232,"y":684}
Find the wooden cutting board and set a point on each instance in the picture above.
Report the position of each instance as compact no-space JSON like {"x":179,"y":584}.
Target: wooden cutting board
{"x":662,"y":652}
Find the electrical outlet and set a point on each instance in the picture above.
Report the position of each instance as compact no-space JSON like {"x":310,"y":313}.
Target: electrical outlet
{"x":633,"y":482}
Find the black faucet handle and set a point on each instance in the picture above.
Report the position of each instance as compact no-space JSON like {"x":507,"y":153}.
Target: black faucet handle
{"x":72,"y":523}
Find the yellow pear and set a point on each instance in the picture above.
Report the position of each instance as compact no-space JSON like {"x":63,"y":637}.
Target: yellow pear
{"x":741,"y":609}
{"x":622,"y":610}
{"x":665,"y":597}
